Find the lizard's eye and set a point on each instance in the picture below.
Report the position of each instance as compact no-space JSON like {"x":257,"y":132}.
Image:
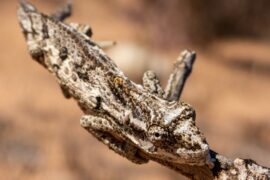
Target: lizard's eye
{"x":157,"y":134}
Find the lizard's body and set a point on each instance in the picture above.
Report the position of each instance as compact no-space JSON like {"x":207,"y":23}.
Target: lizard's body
{"x":135,"y":121}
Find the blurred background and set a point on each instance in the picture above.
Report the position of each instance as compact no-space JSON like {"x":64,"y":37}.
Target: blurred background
{"x":40,"y":134}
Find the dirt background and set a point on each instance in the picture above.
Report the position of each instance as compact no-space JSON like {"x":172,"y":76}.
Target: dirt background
{"x":40,"y":135}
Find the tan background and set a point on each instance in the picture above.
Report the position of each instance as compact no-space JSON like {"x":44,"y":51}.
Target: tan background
{"x":40,"y":135}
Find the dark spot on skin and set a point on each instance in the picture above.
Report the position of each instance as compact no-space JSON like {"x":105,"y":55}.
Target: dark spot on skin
{"x":74,"y":77}
{"x":38,"y":55}
{"x":118,"y":96}
{"x":63,"y":54}
{"x":249,"y":162}
{"x":103,"y":58}
{"x":98,"y":104}
{"x":33,"y":31}
{"x":83,"y":76}
{"x":45,"y":31}
{"x":196,"y":147}
{"x":180,"y":138}
{"x":217,"y":165}
{"x":66,"y":70}
{"x":87,"y":41}
{"x":55,"y":67}
{"x":76,"y":40}
{"x":89,"y":32}
{"x":25,"y":32}
{"x":65,"y":91}
{"x":127,"y":121}
{"x":204,"y":141}
{"x":68,"y":31}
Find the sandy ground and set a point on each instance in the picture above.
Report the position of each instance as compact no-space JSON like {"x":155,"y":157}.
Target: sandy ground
{"x":40,"y":135}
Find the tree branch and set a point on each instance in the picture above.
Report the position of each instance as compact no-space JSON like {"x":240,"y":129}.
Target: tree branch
{"x":134,"y":121}
{"x":181,"y":71}
{"x":63,"y":12}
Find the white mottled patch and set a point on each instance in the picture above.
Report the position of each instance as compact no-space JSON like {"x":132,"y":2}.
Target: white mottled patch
{"x":146,"y":145}
{"x":54,"y":57}
{"x":138,"y":123}
{"x":185,"y":126}
{"x":171,"y":115}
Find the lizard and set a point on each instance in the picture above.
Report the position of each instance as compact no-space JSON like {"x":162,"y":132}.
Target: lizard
{"x":139,"y":122}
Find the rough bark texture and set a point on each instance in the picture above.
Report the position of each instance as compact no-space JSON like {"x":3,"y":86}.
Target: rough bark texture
{"x":141,"y":123}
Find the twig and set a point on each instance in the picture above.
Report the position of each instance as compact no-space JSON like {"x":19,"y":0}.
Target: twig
{"x":181,"y":72}
{"x":64,"y":12}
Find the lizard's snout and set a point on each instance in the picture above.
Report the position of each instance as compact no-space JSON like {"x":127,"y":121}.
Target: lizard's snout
{"x":24,"y":18}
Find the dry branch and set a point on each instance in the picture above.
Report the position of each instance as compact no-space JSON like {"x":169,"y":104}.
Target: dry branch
{"x":141,"y":123}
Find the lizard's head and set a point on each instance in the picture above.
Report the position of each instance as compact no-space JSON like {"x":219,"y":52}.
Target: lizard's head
{"x":176,"y":138}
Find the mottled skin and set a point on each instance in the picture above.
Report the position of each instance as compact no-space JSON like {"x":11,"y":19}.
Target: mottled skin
{"x":136,"y":121}
{"x":141,"y":123}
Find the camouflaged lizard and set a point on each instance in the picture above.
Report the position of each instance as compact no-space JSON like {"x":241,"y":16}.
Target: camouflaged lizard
{"x":141,"y":123}
{"x":135,"y":121}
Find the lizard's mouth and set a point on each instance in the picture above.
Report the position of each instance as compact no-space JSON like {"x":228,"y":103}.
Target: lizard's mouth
{"x":183,"y":156}
{"x":198,"y":157}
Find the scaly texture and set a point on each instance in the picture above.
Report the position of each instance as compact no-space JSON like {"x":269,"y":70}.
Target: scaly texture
{"x":141,"y":123}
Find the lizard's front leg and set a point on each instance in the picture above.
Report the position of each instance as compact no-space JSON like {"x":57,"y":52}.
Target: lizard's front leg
{"x":110,"y":134}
